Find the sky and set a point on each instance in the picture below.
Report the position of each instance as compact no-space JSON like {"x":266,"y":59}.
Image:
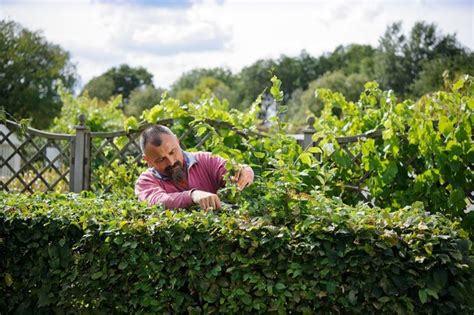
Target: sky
{"x":169,"y":38}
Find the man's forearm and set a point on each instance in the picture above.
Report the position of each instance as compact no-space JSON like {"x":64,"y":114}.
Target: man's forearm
{"x":170,"y":200}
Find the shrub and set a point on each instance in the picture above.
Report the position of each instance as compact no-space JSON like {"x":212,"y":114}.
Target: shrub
{"x":64,"y":253}
{"x":425,"y":152}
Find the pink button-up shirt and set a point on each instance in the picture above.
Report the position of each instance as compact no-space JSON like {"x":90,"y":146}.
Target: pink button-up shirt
{"x":205,"y":172}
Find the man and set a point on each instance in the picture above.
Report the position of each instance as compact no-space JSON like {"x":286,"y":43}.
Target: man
{"x":179,"y":179}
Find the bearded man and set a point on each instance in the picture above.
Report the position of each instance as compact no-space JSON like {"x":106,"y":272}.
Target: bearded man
{"x":179,"y":179}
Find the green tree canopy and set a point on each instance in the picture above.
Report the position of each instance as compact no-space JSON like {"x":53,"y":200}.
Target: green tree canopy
{"x":424,"y":54}
{"x":353,"y":58}
{"x":304,"y":103}
{"x":101,"y":87}
{"x":141,"y":99}
{"x":441,"y":71}
{"x":298,"y":72}
{"x":253,"y":80}
{"x":207,"y":86}
{"x":122,"y":80}
{"x":191,"y":79}
{"x":31,"y":69}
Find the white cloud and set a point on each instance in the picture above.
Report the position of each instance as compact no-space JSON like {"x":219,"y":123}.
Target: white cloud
{"x":163,"y":31}
{"x":169,"y":40}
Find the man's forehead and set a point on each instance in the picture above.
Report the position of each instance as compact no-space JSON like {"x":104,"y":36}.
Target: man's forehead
{"x":168,"y":142}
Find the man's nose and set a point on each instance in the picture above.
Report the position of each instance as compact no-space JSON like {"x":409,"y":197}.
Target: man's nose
{"x":170,"y":161}
{"x":166,"y":161}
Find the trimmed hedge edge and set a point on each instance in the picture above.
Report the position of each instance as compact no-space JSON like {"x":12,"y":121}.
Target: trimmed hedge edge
{"x":83,"y":253}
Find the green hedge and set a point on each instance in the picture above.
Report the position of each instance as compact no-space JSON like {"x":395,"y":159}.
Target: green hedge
{"x":85,"y":253}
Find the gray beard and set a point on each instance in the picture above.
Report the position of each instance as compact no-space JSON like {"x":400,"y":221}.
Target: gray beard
{"x":177,"y":174}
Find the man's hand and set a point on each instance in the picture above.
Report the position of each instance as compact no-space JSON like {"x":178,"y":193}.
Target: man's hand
{"x":206,"y":200}
{"x":243,"y":177}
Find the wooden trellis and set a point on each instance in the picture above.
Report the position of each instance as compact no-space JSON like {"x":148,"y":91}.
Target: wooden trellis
{"x":28,"y":165}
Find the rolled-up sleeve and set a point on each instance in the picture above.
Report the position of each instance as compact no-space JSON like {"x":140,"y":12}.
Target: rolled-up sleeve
{"x":216,"y":168}
{"x":148,"y":189}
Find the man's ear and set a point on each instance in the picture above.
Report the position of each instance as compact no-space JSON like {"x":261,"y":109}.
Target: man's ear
{"x":147,"y":160}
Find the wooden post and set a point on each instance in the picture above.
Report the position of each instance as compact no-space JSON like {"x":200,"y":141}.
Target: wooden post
{"x":308,"y":133}
{"x":80,"y":154}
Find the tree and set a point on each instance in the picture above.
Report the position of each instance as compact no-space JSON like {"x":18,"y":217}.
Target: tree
{"x":304,"y":103}
{"x":440,"y":73}
{"x":198,"y":82}
{"x":101,"y":87}
{"x":252,"y":81}
{"x":298,"y":72}
{"x":122,"y":80}
{"x":290,"y":71}
{"x":31,"y":69}
{"x":141,"y":99}
{"x":390,"y":65}
{"x":404,"y":60}
{"x":206,"y":87}
{"x":191,"y":79}
{"x":353,"y":58}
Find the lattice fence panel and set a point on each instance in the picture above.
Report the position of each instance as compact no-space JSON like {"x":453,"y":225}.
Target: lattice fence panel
{"x":32,"y":160}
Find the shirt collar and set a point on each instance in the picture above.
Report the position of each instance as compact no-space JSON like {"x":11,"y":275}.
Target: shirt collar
{"x":189,"y":160}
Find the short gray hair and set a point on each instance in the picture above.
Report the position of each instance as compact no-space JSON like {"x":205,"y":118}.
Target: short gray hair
{"x":152,"y":135}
